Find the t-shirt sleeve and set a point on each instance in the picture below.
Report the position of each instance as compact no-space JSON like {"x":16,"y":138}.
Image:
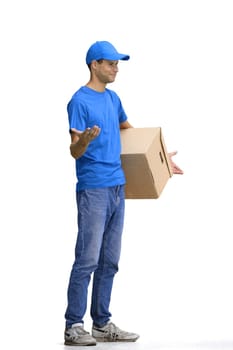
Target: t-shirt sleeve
{"x":76,"y":115}
{"x":122,"y":115}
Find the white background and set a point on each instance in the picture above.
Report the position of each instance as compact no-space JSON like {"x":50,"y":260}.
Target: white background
{"x":175,"y":279}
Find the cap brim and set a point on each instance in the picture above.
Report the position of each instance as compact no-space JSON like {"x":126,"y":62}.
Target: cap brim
{"x":116,"y":57}
{"x":108,"y":57}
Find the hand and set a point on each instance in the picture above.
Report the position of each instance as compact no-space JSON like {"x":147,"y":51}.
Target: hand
{"x":175,"y":168}
{"x":81,"y":139}
{"x":87,"y":135}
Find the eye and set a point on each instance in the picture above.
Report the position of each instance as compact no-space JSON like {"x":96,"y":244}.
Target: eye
{"x":113,"y":63}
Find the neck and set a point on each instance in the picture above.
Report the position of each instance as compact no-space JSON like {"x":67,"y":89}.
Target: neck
{"x":97,"y":86}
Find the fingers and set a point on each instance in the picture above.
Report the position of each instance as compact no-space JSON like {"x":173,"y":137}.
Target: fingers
{"x":91,"y":133}
{"x":176,"y":169}
{"x":94,"y":131}
{"x":171,"y":154}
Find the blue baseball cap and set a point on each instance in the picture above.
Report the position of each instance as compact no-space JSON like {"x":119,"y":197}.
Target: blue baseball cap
{"x":105,"y":51}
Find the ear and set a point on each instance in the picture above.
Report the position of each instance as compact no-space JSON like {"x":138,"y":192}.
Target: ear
{"x":93,"y":64}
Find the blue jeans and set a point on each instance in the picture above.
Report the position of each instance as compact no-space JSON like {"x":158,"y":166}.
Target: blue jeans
{"x":98,"y":246}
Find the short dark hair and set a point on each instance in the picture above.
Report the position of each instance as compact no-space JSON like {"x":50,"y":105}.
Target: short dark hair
{"x":99,"y":61}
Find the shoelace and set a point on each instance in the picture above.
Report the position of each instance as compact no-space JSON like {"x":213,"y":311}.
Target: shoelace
{"x":113,"y":331}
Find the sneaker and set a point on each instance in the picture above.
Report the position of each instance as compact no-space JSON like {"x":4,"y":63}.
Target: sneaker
{"x":76,"y":335}
{"x":111,"y":333}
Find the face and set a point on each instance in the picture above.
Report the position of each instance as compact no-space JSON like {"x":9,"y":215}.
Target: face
{"x":105,"y":71}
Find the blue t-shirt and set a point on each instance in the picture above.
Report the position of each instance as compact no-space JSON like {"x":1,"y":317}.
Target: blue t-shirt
{"x":100,"y":165}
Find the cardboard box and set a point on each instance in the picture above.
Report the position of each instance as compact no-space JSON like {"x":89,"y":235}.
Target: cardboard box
{"x":145,"y":162}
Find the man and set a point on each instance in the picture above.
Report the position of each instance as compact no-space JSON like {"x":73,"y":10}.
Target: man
{"x":96,"y":116}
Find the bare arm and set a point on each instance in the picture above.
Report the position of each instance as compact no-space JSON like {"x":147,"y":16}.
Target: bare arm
{"x":125,"y":125}
{"x":80,"y":140}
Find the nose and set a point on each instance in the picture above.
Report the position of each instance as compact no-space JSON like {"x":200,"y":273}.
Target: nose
{"x":115,"y":68}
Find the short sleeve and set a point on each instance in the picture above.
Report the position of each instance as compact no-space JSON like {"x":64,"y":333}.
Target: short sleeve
{"x":76,"y":115}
